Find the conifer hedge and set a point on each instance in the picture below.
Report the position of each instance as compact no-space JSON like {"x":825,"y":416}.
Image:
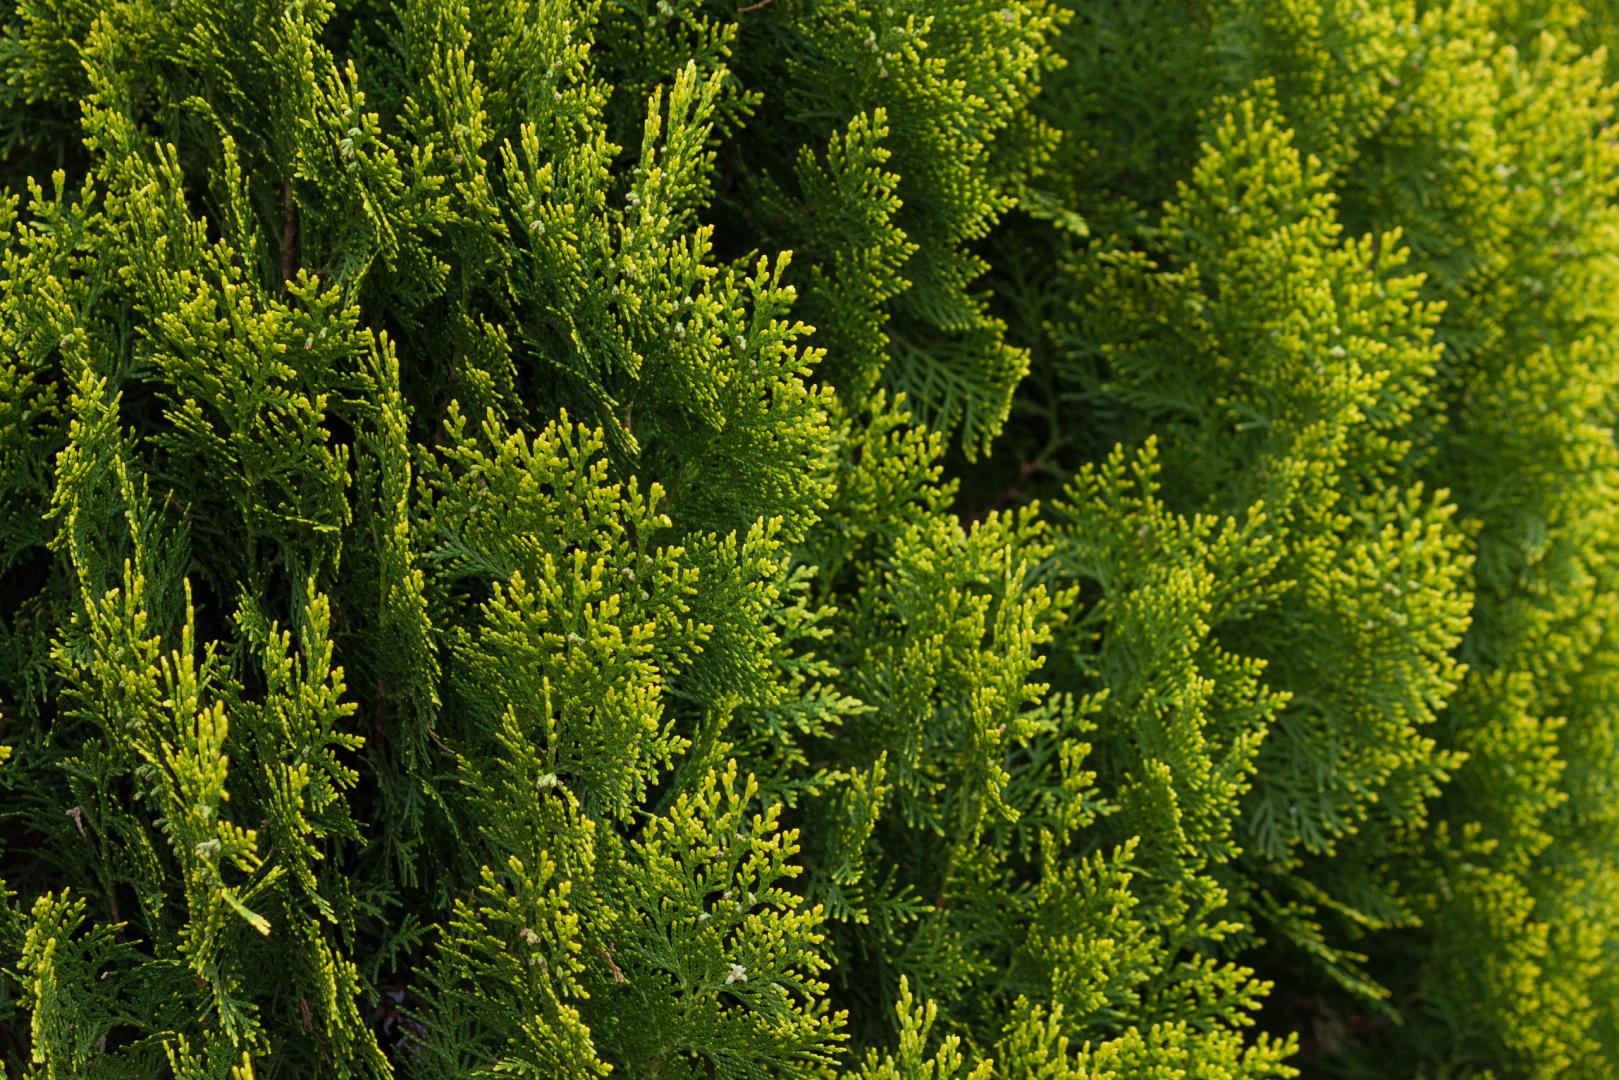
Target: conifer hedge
{"x":878,"y":538}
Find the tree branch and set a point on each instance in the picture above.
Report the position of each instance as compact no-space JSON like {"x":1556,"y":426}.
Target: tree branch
{"x":289,"y":234}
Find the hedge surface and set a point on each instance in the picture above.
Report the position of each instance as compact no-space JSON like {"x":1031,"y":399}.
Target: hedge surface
{"x":879,"y":538}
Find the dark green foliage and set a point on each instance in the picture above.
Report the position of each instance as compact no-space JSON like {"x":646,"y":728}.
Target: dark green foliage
{"x":674,"y":539}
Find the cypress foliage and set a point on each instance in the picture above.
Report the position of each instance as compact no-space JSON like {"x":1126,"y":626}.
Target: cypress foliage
{"x":808,"y":538}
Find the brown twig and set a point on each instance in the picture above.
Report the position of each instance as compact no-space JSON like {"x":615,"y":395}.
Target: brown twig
{"x":1012,"y":490}
{"x":376,"y":712}
{"x":438,"y":741}
{"x":618,"y":976}
{"x":289,"y":233}
{"x":754,"y":7}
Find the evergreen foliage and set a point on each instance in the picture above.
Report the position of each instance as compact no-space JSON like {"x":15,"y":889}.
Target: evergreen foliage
{"x":922,"y":539}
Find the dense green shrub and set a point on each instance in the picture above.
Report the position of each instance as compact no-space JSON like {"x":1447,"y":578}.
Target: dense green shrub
{"x":919,"y":538}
